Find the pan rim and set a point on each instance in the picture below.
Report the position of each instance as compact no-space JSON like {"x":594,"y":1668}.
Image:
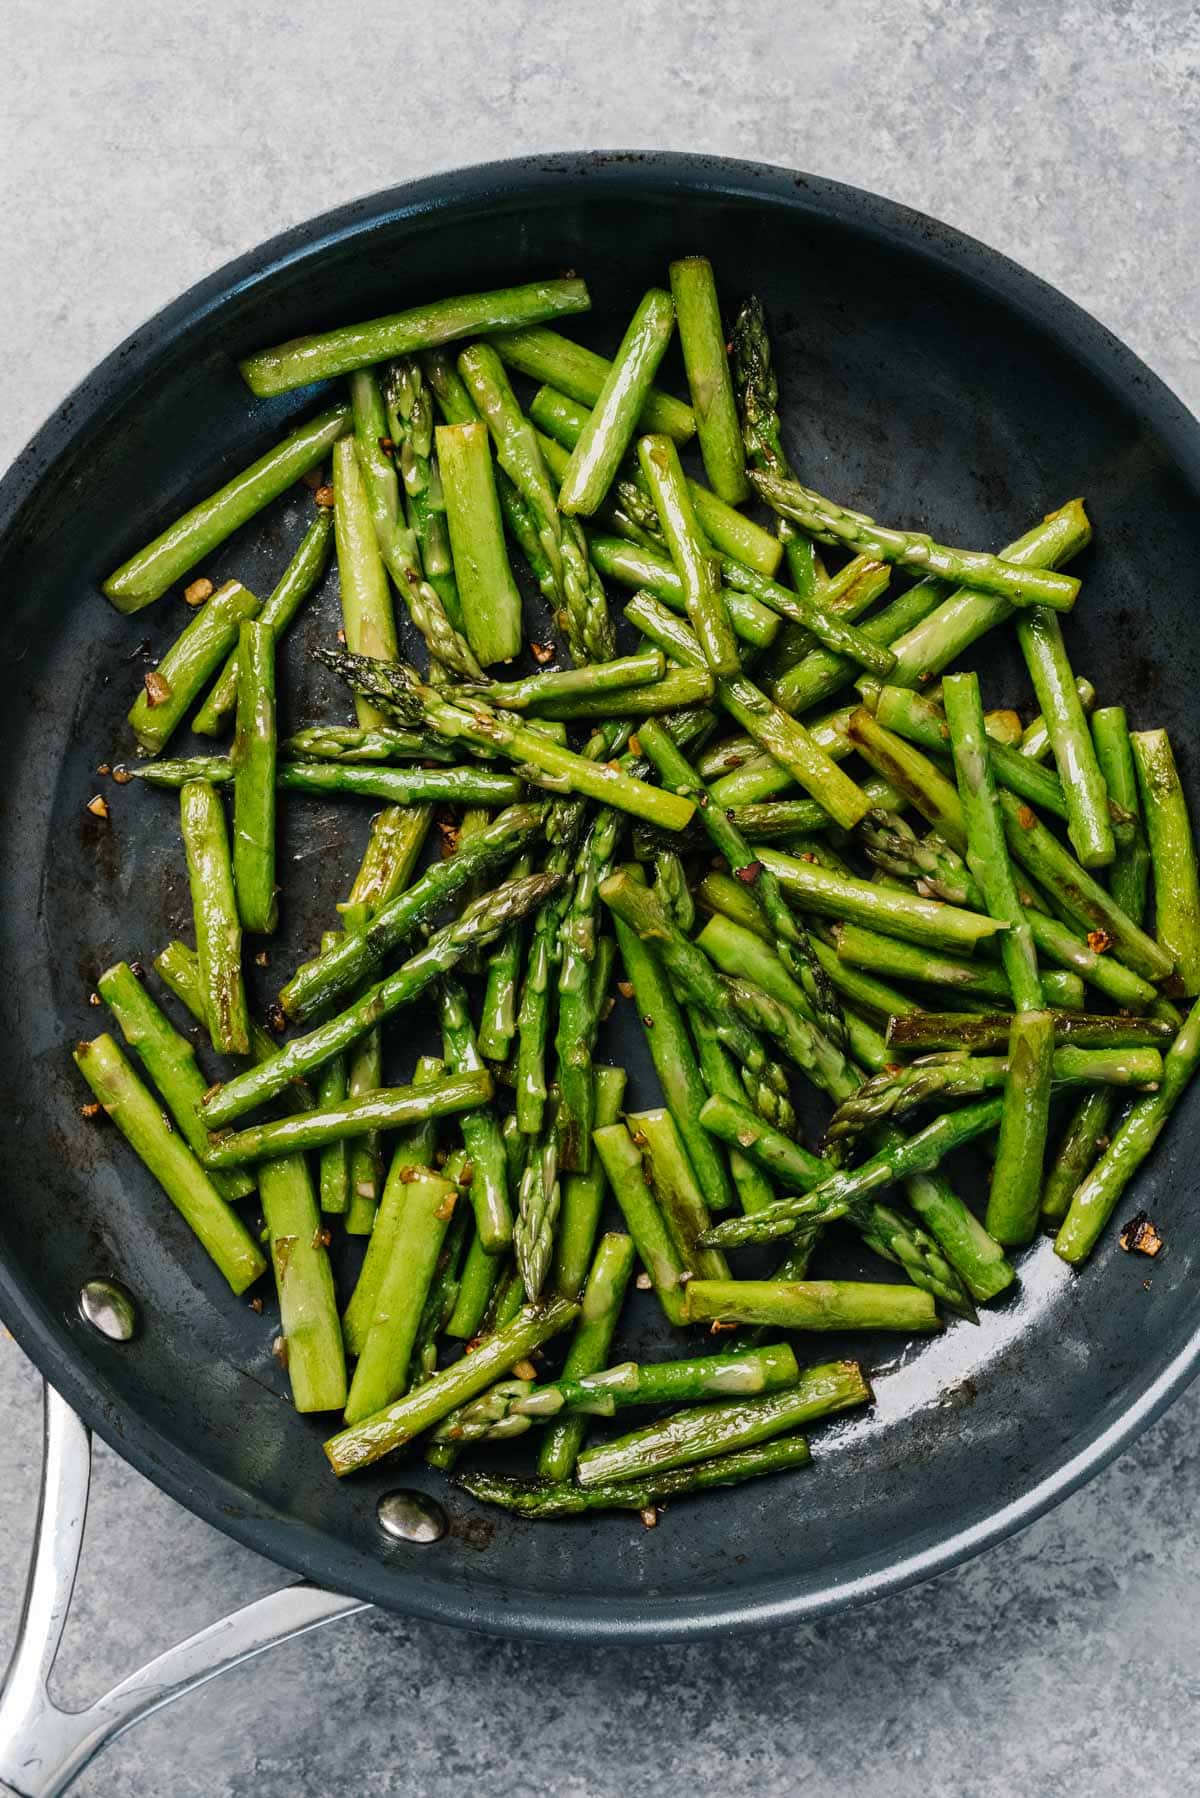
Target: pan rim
{"x":43,"y":1337}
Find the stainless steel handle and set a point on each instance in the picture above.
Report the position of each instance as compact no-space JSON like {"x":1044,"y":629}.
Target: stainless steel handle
{"x":43,"y":1747}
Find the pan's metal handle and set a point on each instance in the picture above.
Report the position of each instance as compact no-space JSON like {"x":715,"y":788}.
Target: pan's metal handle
{"x":43,"y":1747}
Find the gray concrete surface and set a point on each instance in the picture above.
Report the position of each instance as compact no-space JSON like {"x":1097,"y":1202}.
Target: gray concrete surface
{"x":143,"y":144}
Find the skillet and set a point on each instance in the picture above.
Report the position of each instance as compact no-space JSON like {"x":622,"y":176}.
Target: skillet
{"x":925,"y":376}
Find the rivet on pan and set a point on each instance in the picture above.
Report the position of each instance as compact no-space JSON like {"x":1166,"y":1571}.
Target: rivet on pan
{"x":411,"y":1517}
{"x":109,"y":1308}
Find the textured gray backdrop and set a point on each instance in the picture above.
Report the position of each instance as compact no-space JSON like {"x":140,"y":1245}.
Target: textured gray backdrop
{"x":143,"y":144}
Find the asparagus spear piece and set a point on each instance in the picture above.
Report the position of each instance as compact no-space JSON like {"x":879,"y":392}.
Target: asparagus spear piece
{"x":1016,"y":1187}
{"x":1130,"y":873}
{"x":1035,"y":742}
{"x":703,"y":601}
{"x":543,"y":1499}
{"x":316,"y":984}
{"x":183,"y":670}
{"x":428,"y":1403}
{"x":539,"y":1202}
{"x":706,"y":361}
{"x":694,"y":977}
{"x":758,"y":394}
{"x":491,"y":603}
{"x":477,"y":926}
{"x":1089,"y":825}
{"x":170,"y":1060}
{"x":383,"y":1366}
{"x":607,"y":434}
{"x":910,"y":961}
{"x":893,"y":1093}
{"x":481,"y":1131}
{"x":498,"y":1008}
{"x":393,"y":850}
{"x":600,"y":1308}
{"x":214,"y":909}
{"x":1172,"y":855}
{"x":675,"y":1188}
{"x":539,"y":693}
{"x":899,"y":1158}
{"x":1084,"y":1030}
{"x":1085,"y":1135}
{"x":368,"y":622}
{"x":1077,"y":893}
{"x":308,"y":1315}
{"x":546,"y":356}
{"x":315,"y":358}
{"x":1018,"y":583}
{"x":254,"y":752}
{"x":583,"y":1195}
{"x":679,"y":690}
{"x":364,"y":1077}
{"x":845,"y":896}
{"x":812,"y":1305}
{"x":414,"y":1149}
{"x":579,"y":599}
{"x":636,"y":566}
{"x":205,"y":526}
{"x":1095,"y":1200}
{"x":179,"y":969}
{"x":660,"y":1257}
{"x":828,"y":626}
{"x":540,"y":760}
{"x":987,"y":852}
{"x":719,"y":1073}
{"x":703,"y":1432}
{"x":384,"y":1108}
{"x":920,"y":720}
{"x":190,"y":1189}
{"x":395,"y":540}
{"x":399,"y":786}
{"x":410,"y":426}
{"x":577,"y":1016}
{"x":346,"y":743}
{"x":301,"y":575}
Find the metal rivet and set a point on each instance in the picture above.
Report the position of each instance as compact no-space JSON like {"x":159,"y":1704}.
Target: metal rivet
{"x":109,"y":1307}
{"x":411,"y":1517}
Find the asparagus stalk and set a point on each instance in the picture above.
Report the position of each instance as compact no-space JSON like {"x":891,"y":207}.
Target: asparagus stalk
{"x":1086,"y":1134}
{"x":1095,"y":1200}
{"x":825,"y":624}
{"x":987,"y":852}
{"x":706,"y":362}
{"x":758,"y":394}
{"x":384,"y":1108}
{"x":754,"y":1188}
{"x":1130,"y":872}
{"x":299,"y":578}
{"x":393,"y":850}
{"x":1016,"y":1187}
{"x":414,"y":1150}
{"x":546,"y":356}
{"x":539,"y":1202}
{"x":660,"y":1257}
{"x":399,"y":786}
{"x":895,"y":1092}
{"x":812,"y":1305}
{"x":481,"y":1131}
{"x":741,"y":1374}
{"x":703,"y":601}
{"x":190,"y":1189}
{"x":542,"y":692}
{"x":410,"y":426}
{"x":599,"y":1310}
{"x":1089,"y":825}
{"x":308,"y":1316}
{"x":845,"y":896}
{"x":639,"y":567}
{"x":676,"y":1191}
{"x":368,"y":623}
{"x":610,"y":427}
{"x":1019,"y":584}
{"x":544,"y":1499}
{"x":214,"y":909}
{"x":694,"y":977}
{"x":1172,"y":855}
{"x":205,"y":526}
{"x":910,"y":961}
{"x":498,"y":1008}
{"x":1035,"y":744}
{"x":383,"y":1366}
{"x":583,"y":1195}
{"x":540,"y":759}
{"x":477,"y":926}
{"x":577,"y":1015}
{"x":396,"y":541}
{"x":899,"y":1158}
{"x":703,"y":1432}
{"x":170,"y":1060}
{"x":254,"y":751}
{"x":491,"y":603}
{"x":307,"y":359}
{"x":191,"y":659}
{"x":347,"y":744}
{"x":428,"y":1403}
{"x":920,"y":720}
{"x":179,"y":969}
{"x":1083,"y":1030}
{"x":317,"y":984}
